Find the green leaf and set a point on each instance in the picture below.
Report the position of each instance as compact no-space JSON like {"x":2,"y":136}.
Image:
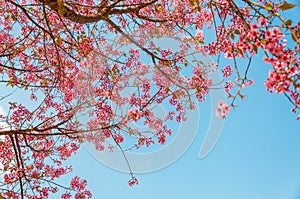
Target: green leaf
{"x":281,"y":26}
{"x":240,"y":51}
{"x":288,"y":22}
{"x":237,"y":32}
{"x":185,"y":63}
{"x":255,"y":48}
{"x":287,"y":6}
{"x":263,"y":41}
{"x":192,"y":2}
{"x":269,"y":6}
{"x":294,"y":37}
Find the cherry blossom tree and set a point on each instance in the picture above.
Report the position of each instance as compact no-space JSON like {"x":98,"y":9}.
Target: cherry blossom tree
{"x":61,"y":60}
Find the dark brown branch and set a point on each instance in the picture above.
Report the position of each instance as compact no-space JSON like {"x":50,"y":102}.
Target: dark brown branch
{"x":104,"y":12}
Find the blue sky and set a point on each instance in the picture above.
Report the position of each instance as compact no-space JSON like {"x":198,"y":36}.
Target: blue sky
{"x":257,"y":156}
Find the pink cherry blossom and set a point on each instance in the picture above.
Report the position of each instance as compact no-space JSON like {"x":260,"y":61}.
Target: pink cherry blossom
{"x":68,"y":61}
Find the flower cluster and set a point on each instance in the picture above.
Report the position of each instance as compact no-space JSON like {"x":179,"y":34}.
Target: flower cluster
{"x":222,"y":110}
{"x":133,"y":181}
{"x":227,"y":71}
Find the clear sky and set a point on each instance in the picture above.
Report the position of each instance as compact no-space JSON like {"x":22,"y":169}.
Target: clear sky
{"x":256,"y":157}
